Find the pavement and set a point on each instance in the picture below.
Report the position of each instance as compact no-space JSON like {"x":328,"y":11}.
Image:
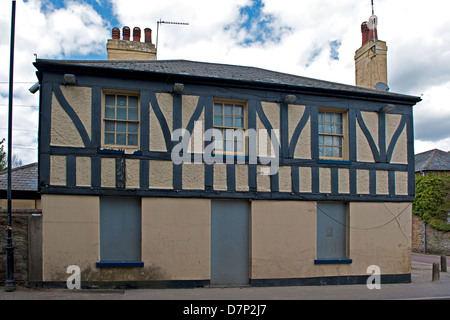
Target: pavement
{"x":421,"y":288}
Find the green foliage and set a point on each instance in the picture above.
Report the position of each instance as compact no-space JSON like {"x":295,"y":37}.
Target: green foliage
{"x":3,"y":164}
{"x":432,"y":201}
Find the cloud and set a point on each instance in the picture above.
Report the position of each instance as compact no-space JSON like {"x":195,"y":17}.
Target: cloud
{"x":432,"y":116}
{"x":51,"y":29}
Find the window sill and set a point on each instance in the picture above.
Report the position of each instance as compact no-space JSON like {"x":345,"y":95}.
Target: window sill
{"x":119,"y":264}
{"x":119,"y":150}
{"x":333,"y":261}
{"x":329,"y":161}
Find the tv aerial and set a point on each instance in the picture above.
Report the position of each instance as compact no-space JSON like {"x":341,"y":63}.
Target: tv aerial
{"x":373,"y":23}
{"x":165,"y":22}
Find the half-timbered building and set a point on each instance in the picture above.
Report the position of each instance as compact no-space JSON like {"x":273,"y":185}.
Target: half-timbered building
{"x":183,"y":173}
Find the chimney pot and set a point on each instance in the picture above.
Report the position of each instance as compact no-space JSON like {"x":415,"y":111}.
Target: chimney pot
{"x":148,"y":35}
{"x":116,"y":34}
{"x":364,"y":32}
{"x":126,"y":33}
{"x":137,"y":34}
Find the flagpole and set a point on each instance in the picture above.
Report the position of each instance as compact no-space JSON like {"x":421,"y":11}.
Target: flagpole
{"x":9,"y":285}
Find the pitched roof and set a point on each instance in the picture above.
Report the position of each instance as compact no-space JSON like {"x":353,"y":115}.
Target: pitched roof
{"x":24,"y":178}
{"x":217,"y":71}
{"x":433,"y":160}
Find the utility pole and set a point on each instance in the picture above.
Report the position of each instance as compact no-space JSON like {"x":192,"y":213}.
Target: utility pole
{"x":9,"y":285}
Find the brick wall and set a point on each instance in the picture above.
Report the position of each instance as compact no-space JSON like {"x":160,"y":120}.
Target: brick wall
{"x":437,"y":242}
{"x":27,"y":242}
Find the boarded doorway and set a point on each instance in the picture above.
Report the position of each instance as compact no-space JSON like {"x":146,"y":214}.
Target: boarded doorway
{"x":229,"y":243}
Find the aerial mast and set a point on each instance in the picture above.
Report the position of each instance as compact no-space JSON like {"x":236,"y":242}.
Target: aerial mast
{"x":165,"y":22}
{"x":373,"y":22}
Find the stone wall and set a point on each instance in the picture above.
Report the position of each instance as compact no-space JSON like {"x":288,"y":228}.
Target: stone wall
{"x":27,"y":242}
{"x":436,"y":242}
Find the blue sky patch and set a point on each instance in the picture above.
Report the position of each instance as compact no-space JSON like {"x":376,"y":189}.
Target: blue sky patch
{"x":259,"y":27}
{"x":103,"y":7}
{"x":334,"y":49}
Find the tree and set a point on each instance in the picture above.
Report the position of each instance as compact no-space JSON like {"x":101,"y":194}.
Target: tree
{"x":3,"y":161}
{"x":432,"y":200}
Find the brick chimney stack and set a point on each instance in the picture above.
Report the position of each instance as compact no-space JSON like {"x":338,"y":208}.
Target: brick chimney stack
{"x":371,"y":58}
{"x":131,"y":50}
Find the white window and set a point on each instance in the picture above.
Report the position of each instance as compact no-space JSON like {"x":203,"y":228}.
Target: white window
{"x":229,"y":118}
{"x":331,"y":135}
{"x":121,"y":120}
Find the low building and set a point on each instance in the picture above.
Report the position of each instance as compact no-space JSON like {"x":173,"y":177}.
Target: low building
{"x":433,"y":161}
{"x":24,"y":188}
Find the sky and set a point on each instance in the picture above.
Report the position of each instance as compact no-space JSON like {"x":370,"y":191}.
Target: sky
{"x":311,"y":38}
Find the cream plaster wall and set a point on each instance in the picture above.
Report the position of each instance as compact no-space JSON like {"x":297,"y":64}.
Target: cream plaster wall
{"x":132,"y":173}
{"x":160,"y":174}
{"x":283,"y":239}
{"x":344,"y":181}
{"x":400,"y":153}
{"x":108,"y":172}
{"x":193,"y":176}
{"x":63,"y":131}
{"x":363,"y":181}
{"x":303,"y":148}
{"x":363,"y":150}
{"x":80,"y":99}
{"x":283,"y":235}
{"x":305,"y":179}
{"x":176,"y":238}
{"x":58,"y":170}
{"x":382,"y":182}
{"x":272,"y":112}
{"x":70,"y":234}
{"x":285,"y":179}
{"x":220,"y":176}
{"x":83,"y":172}
{"x":241,"y":177}
{"x":381,"y":234}
{"x":401,"y":183}
{"x":156,"y":137}
{"x":325,"y":180}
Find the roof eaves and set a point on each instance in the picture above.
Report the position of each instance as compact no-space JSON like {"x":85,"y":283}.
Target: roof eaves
{"x":87,"y":66}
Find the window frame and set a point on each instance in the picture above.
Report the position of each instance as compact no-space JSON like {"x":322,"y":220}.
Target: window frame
{"x":223,"y":128}
{"x":344,"y":135}
{"x":127,"y":93}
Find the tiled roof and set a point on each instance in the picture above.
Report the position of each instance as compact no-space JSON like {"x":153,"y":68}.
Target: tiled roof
{"x":24,"y":178}
{"x":433,"y":160}
{"x":216,"y":71}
